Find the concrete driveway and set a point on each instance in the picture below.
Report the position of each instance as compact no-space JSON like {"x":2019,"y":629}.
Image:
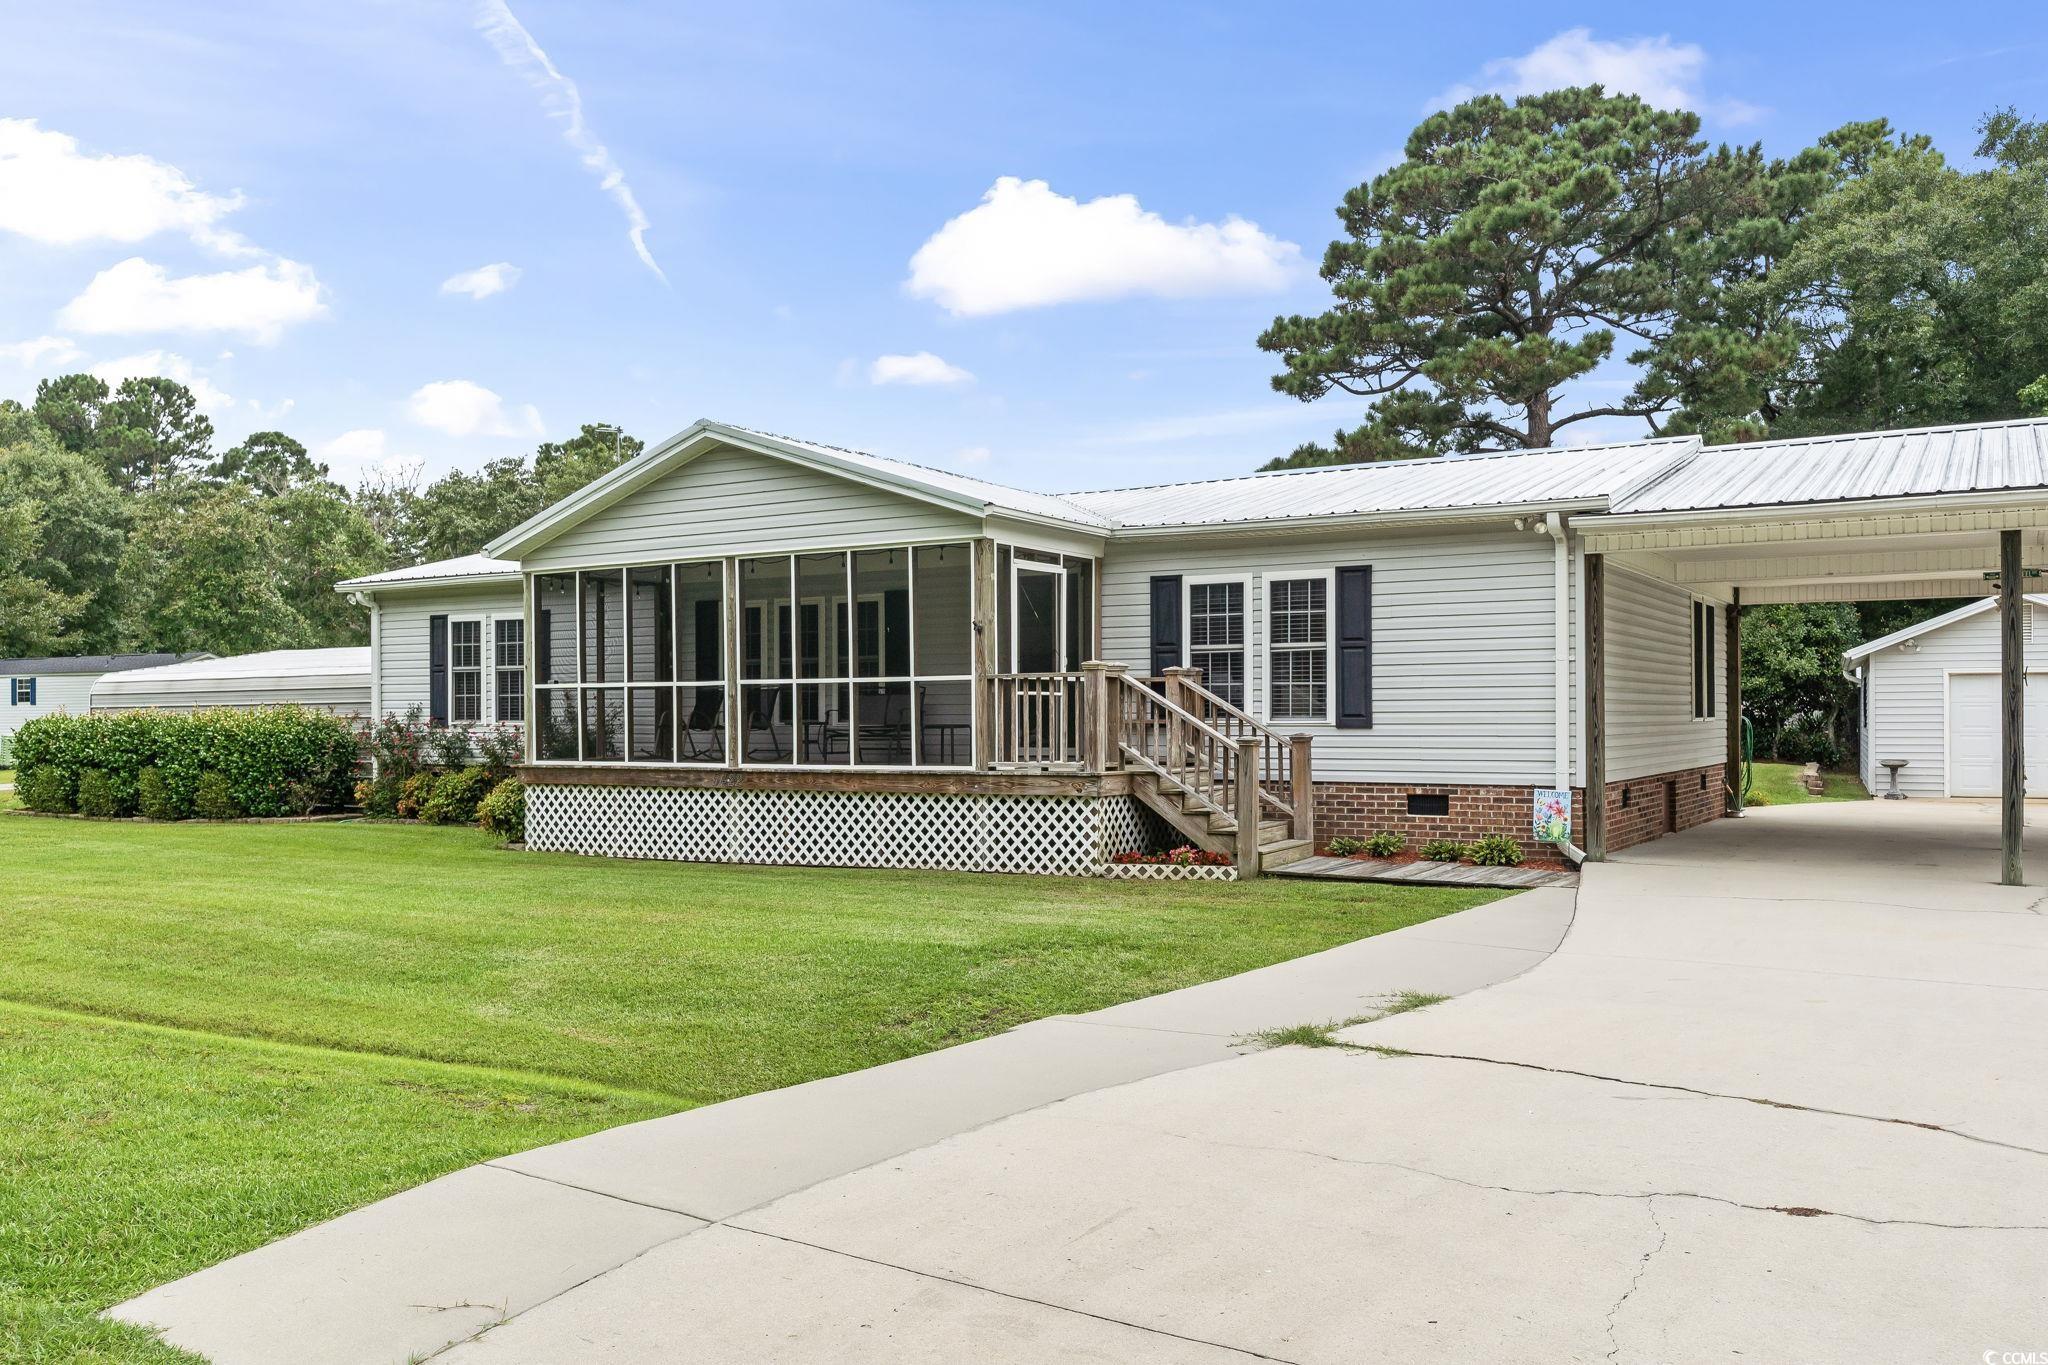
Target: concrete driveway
{"x":1780,"y":1094}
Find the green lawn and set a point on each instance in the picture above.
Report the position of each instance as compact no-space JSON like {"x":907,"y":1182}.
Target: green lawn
{"x":1777,"y":784}
{"x":312,"y":1016}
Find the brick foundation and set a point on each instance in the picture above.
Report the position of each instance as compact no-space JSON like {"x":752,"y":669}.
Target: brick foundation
{"x":1638,"y":810}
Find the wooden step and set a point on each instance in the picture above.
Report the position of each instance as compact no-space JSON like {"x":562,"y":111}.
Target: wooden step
{"x":1284,"y":852}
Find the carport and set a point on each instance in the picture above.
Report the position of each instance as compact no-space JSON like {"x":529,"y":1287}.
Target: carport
{"x":1886,"y":516}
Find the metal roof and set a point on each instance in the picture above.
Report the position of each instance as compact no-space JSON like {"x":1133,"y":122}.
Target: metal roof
{"x":481,"y":567}
{"x":1588,"y":475}
{"x":93,"y":663}
{"x":347,"y":663}
{"x":1983,"y":457}
{"x":994,"y":496}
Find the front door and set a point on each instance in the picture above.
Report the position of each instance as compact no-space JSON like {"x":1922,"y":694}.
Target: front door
{"x":1037,"y":624}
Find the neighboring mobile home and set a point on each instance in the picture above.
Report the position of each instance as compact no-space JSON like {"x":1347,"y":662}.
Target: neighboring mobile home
{"x":1929,"y":696}
{"x":44,"y":687}
{"x":336,"y":680}
{"x":742,"y":647}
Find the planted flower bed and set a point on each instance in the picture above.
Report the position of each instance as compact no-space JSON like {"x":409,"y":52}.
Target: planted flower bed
{"x":1184,"y":864}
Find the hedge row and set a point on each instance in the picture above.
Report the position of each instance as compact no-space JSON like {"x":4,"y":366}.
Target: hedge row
{"x":277,"y":760}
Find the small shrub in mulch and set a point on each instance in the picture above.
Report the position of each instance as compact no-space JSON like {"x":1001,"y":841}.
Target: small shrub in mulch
{"x":1495,"y":850}
{"x":1443,"y":851}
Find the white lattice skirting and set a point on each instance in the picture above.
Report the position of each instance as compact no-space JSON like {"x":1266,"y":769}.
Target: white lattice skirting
{"x":1068,"y":836}
{"x":1169,"y":872}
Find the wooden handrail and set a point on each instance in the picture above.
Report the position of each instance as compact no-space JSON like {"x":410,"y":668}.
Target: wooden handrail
{"x":1281,"y":760}
{"x":1039,"y":720}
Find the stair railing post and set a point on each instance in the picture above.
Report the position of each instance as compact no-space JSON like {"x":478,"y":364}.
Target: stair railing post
{"x":1097,"y":718}
{"x":1246,"y":789}
{"x":1176,"y":694}
{"x":1303,"y":793}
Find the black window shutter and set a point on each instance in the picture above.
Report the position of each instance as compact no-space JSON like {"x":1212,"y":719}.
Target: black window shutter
{"x":1166,"y":622}
{"x":1354,"y":647}
{"x":544,"y":652}
{"x":437,"y":670}
{"x":1707,"y":615}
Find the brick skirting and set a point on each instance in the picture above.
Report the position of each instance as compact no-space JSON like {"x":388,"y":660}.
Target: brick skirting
{"x":1638,"y":809}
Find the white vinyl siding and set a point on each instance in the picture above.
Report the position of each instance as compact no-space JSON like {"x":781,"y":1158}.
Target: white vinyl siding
{"x":56,"y":693}
{"x":1911,"y":693}
{"x":401,"y":658}
{"x":1462,"y":645}
{"x":734,"y":502}
{"x":1650,"y":723}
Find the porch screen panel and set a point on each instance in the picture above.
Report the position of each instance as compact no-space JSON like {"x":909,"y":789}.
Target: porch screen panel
{"x":942,"y":641}
{"x":699,"y":706}
{"x":555,"y":667}
{"x":883,"y":723}
{"x":1080,"y":610}
{"x":601,"y":631}
{"x":767,"y":668}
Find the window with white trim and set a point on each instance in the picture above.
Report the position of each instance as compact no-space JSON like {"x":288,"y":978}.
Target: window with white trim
{"x":1216,"y":636}
{"x":465,"y":671}
{"x":1298,"y":649}
{"x":508,"y":669}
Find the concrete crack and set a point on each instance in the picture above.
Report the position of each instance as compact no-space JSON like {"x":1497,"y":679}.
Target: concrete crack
{"x":1642,"y":1267}
{"x":1566,"y":1191}
{"x":1696,"y":1090}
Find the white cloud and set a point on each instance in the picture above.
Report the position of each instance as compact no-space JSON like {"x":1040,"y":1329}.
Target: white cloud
{"x":1661,"y":72}
{"x":52,"y":192}
{"x":922,"y":368}
{"x":972,"y":455}
{"x":169,"y":365}
{"x":564,"y":102}
{"x":138,"y":296}
{"x":1024,"y":246}
{"x":39,"y":351}
{"x":483,"y":281}
{"x":458,"y":407}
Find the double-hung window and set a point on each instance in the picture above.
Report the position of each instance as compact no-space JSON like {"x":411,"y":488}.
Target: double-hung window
{"x":466,"y":671}
{"x":1216,"y":633}
{"x":21,"y":691}
{"x":1702,"y":661}
{"x":508,"y":662}
{"x":1298,"y":649}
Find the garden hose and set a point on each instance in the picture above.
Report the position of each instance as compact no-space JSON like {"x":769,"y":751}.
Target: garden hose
{"x":1748,"y":763}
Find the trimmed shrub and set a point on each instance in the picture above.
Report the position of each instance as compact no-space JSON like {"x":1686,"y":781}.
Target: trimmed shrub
{"x":1344,"y":846}
{"x":1443,"y":850}
{"x":1384,"y":844}
{"x":1495,"y":850}
{"x":96,"y":794}
{"x":413,"y":795}
{"x":45,"y":789}
{"x":154,"y":798}
{"x":379,"y":797}
{"x":213,"y":797}
{"x":455,"y":797}
{"x":503,"y":812}
{"x":259,"y":753}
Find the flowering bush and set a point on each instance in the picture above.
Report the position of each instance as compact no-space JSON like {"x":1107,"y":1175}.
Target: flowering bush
{"x":399,"y":743}
{"x":1187,"y":855}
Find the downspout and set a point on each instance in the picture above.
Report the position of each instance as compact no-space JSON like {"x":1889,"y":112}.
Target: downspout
{"x":1561,"y":651}
{"x":368,"y":601}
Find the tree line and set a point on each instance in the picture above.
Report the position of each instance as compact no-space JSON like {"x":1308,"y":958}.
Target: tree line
{"x":122,"y":529}
{"x":1480,"y":285}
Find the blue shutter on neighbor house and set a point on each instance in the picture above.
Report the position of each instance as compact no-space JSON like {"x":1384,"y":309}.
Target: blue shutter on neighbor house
{"x":1166,"y":623}
{"x":437,"y":670}
{"x":1354,"y":647}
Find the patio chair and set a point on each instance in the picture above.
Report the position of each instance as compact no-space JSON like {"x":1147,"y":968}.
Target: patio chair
{"x":707,"y":718}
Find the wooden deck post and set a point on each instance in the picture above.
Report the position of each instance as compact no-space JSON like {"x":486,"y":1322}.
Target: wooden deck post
{"x":1596,"y":708}
{"x":1100,"y":685}
{"x":1733,"y":701}
{"x":2013,"y":710}
{"x":984,"y":694}
{"x":1303,"y":795}
{"x":1247,"y":794}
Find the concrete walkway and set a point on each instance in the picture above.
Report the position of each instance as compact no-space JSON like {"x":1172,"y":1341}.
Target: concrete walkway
{"x":410,"y":1275}
{"x":1779,"y":1096}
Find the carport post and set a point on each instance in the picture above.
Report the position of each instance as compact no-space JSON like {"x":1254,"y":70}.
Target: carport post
{"x":2013,"y":706}
{"x":1596,"y":708}
{"x":1733,"y":653}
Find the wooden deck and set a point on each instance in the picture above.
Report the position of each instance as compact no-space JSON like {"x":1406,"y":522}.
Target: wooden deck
{"x":1423,"y":873}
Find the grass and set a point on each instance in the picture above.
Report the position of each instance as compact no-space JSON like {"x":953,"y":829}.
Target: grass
{"x":213,"y":1035}
{"x":1777,"y":784}
{"x":1325,"y":1034}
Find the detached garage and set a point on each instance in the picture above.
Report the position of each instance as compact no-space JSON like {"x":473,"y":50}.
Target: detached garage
{"x":1930,"y":697}
{"x":336,"y":680}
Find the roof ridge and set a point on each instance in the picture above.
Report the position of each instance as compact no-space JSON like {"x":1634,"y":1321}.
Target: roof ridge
{"x":1837,"y":436}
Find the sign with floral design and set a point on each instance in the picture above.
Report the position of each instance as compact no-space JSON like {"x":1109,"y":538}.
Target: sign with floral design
{"x":1553,"y":818}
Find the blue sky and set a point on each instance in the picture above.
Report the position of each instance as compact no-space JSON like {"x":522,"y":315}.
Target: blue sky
{"x":298,"y":208}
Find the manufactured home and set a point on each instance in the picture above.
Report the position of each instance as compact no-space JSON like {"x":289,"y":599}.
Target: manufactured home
{"x":744,"y":647}
{"x":333,"y":680}
{"x":43,"y":687}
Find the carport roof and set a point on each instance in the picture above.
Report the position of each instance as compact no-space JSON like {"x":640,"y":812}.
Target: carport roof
{"x":1925,"y":461}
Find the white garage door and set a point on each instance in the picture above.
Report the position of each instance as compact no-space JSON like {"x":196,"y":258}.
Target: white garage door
{"x":1973,"y":734}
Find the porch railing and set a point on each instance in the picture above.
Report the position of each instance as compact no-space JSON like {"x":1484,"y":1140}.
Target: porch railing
{"x":1039,"y":720}
{"x":1275,"y":767}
